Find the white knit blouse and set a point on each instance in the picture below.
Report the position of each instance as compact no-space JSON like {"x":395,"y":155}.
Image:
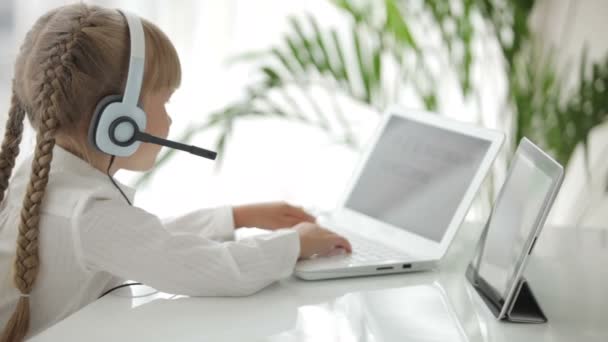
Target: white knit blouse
{"x":91,"y":240}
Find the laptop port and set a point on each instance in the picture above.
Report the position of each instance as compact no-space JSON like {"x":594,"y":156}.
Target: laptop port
{"x":384,"y":268}
{"x":407,"y":266}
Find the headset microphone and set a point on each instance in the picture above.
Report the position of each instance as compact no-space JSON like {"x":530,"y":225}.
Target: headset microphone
{"x":124,"y":132}
{"x":201,"y":152}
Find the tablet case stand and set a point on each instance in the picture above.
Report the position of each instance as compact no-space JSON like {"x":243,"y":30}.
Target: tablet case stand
{"x":523,"y":307}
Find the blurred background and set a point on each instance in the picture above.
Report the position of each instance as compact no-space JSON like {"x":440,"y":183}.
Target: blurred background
{"x":288,"y":91}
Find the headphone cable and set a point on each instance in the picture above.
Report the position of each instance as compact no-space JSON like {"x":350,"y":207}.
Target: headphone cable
{"x":118,"y":287}
{"x":113,"y":182}
{"x":126,"y":199}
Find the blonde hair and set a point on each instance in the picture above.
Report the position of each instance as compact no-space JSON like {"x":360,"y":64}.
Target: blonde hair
{"x":71,"y":58}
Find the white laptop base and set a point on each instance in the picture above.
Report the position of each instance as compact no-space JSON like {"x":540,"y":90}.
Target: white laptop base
{"x":369,"y":257}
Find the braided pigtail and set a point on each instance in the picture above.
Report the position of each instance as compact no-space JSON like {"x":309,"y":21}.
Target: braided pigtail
{"x":10,"y":144}
{"x":27,"y":262}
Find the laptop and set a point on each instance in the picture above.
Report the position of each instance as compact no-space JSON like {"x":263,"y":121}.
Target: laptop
{"x":408,"y":196}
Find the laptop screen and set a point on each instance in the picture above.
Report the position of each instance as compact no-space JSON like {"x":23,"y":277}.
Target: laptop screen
{"x":416,"y":176}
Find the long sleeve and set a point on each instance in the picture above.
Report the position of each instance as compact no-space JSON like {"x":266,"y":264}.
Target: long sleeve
{"x":216,"y":223}
{"x":133,"y":244}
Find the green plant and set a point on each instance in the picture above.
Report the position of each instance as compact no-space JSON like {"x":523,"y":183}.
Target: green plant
{"x":354,"y":65}
{"x":586,"y":108}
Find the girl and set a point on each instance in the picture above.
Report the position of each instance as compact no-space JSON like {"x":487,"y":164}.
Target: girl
{"x":76,"y":235}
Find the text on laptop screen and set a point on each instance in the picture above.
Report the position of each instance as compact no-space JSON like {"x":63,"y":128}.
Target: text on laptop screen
{"x":416,"y":176}
{"x":515,"y":214}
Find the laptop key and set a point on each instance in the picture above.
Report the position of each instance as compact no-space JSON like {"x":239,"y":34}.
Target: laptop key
{"x":365,"y":250}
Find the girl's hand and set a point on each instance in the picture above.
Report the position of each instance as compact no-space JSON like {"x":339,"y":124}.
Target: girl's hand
{"x":315,"y":240}
{"x":271,"y":216}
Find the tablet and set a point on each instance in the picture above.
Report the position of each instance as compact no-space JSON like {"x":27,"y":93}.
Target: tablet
{"x":518,"y":216}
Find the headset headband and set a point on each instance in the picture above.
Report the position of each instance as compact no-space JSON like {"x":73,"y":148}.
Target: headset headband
{"x":136,"y":59}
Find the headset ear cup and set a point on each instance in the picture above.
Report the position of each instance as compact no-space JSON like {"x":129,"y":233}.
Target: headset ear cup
{"x":97,"y":114}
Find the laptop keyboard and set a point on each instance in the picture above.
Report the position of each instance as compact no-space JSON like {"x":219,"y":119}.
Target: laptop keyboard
{"x":366,"y":250}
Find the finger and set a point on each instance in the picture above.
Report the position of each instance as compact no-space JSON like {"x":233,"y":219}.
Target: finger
{"x":293,"y":220}
{"x":296,"y":210}
{"x":288,"y":222}
{"x":336,"y":241}
{"x":300,"y":214}
{"x":343,"y":243}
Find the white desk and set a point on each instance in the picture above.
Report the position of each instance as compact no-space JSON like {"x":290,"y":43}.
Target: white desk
{"x":568,"y":273}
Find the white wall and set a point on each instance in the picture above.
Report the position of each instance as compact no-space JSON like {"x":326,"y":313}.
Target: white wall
{"x":568,"y":26}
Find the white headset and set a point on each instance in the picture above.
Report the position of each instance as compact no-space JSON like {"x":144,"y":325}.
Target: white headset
{"x":118,"y":123}
{"x":117,"y":118}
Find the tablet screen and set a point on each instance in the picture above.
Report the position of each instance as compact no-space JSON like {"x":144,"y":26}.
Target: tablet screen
{"x":515,"y":216}
{"x":416,"y":176}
